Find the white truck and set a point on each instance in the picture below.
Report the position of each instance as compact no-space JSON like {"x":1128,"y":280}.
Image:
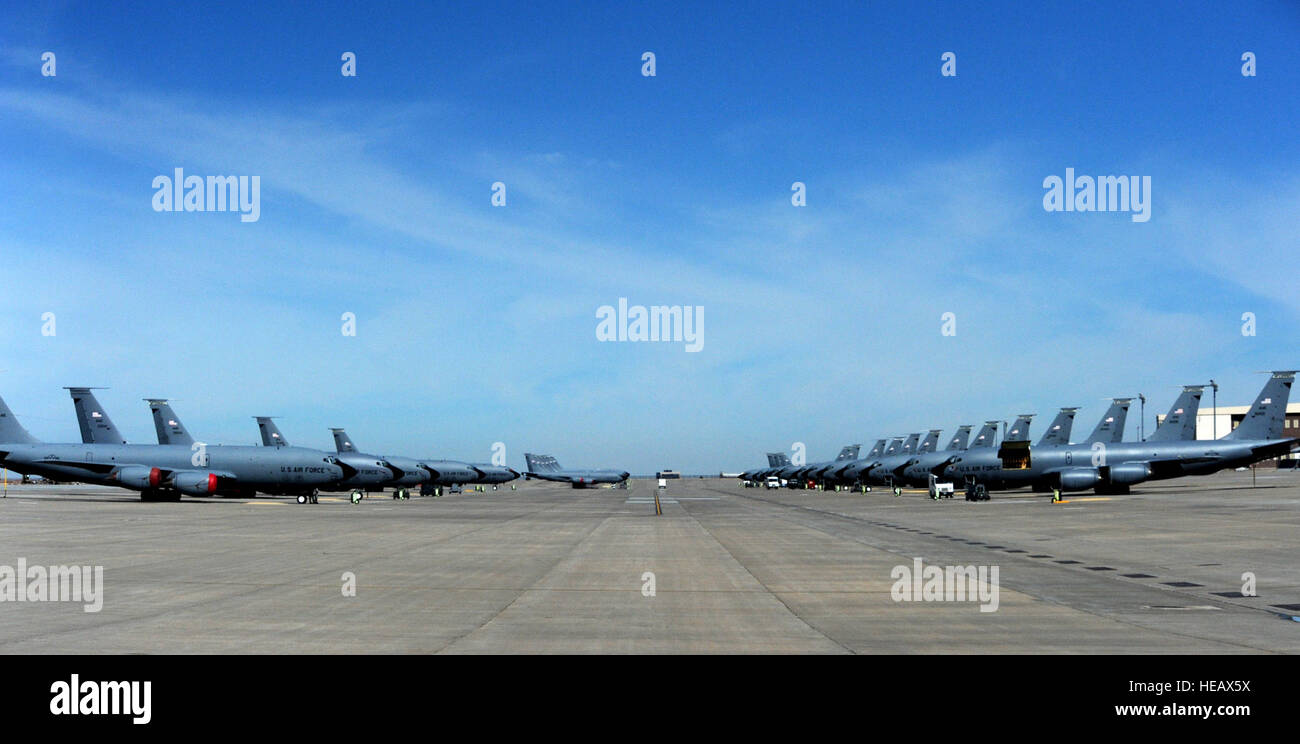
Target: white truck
{"x":940,"y":490}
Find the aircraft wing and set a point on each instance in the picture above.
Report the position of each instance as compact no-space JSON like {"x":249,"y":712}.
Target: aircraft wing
{"x":104,"y":468}
{"x":98,"y":468}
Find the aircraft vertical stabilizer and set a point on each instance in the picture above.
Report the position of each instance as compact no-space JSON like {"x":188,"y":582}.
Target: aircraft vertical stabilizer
{"x":96,"y":426}
{"x":1267,"y":415}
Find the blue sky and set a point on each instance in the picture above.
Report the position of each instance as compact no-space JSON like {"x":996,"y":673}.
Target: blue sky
{"x":476,"y":324}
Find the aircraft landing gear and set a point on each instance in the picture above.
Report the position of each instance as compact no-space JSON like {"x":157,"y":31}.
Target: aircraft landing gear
{"x":308,"y":498}
{"x":401,"y":494}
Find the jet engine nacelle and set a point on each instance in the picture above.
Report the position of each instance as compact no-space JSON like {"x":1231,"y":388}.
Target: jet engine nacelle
{"x":1129,"y":472}
{"x":138,"y":477}
{"x":195,"y":483}
{"x":1079,"y":479}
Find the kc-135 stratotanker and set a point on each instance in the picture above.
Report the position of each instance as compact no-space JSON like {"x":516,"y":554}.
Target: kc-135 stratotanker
{"x":1102,"y":462}
{"x":162,"y":472}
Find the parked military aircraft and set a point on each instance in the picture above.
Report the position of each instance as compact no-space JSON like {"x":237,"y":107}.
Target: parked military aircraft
{"x":775,"y":461}
{"x":813,"y":471}
{"x":405,"y":471}
{"x":1115,"y":467}
{"x":853,"y":472}
{"x":369,"y":474}
{"x":835,"y":474}
{"x":749,"y":477}
{"x":451,"y":472}
{"x":918,"y":470}
{"x":494,"y":475}
{"x":886,"y":469}
{"x":545,"y":467}
{"x":918,"y":474}
{"x":441,"y":472}
{"x":162,"y":472}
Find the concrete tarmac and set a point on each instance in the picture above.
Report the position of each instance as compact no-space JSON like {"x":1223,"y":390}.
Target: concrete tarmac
{"x":726,"y":569}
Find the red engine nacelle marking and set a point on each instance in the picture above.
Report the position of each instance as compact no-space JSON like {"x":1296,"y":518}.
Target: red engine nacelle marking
{"x":155,"y":477}
{"x":212,"y":482}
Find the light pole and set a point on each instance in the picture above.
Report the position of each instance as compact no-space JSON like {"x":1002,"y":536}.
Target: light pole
{"x":1142,"y":422}
{"x":1214,"y":396}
